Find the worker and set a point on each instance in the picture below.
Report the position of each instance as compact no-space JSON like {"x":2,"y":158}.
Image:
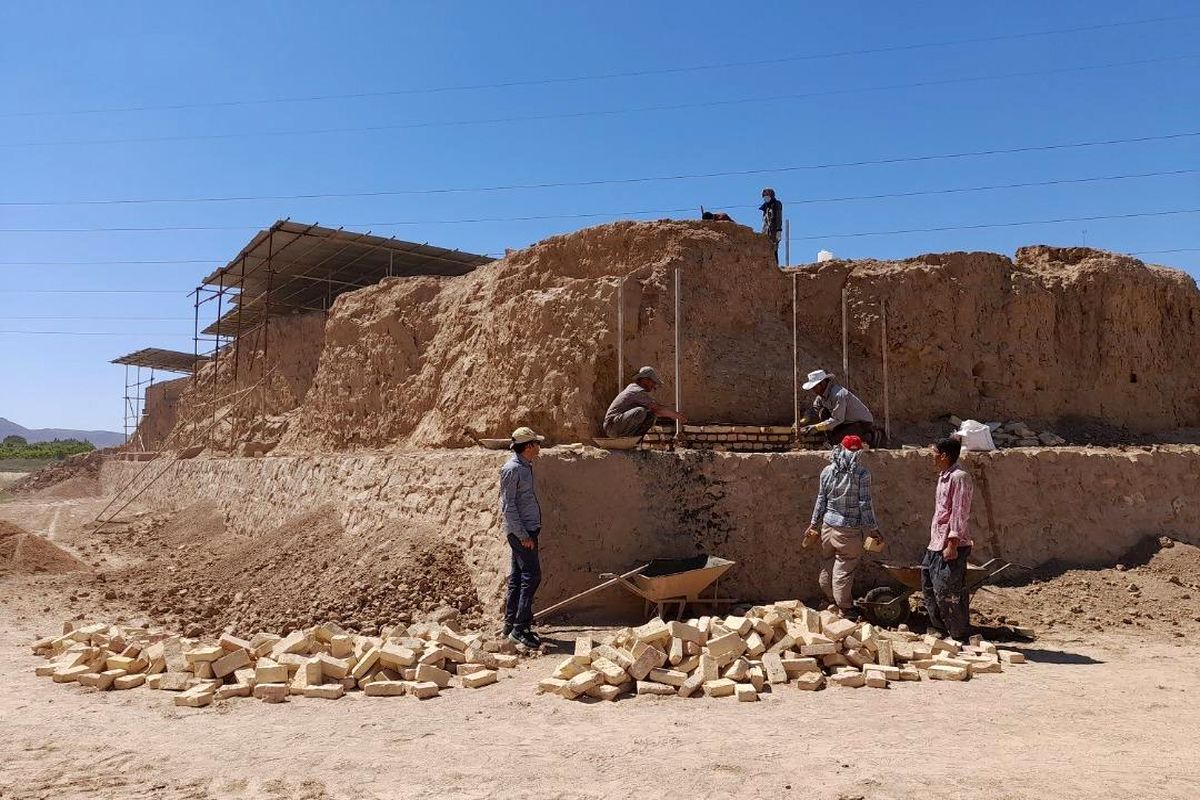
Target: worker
{"x":634,"y":411}
{"x":836,"y":411}
{"x":944,"y":567}
{"x":522,"y":516}
{"x":841,"y":518}
{"x":714,"y":216}
{"x":772,"y":213}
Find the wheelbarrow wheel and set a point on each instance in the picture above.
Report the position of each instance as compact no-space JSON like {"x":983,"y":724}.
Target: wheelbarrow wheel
{"x":889,"y":616}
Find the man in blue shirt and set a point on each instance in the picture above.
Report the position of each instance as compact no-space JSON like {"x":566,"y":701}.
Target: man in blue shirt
{"x":842,"y":513}
{"x":522,"y":518}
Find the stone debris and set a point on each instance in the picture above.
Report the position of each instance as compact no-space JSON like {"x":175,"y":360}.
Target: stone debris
{"x":763,"y":650}
{"x":323,"y":661}
{"x":1017,"y":434}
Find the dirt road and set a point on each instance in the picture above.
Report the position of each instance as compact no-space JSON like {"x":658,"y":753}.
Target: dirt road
{"x":1094,"y":715}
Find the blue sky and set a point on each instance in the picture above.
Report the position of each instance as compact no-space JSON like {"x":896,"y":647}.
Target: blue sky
{"x":806,"y":108}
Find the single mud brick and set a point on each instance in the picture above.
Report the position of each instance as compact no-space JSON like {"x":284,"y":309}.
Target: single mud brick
{"x":229,"y":643}
{"x":745,"y":693}
{"x":738,"y":670}
{"x":450,"y":639}
{"x":612,"y":672}
{"x":366,"y":664}
{"x":154,"y":681}
{"x":773,"y":667}
{"x":341,"y":646}
{"x":120,"y":662}
{"x":797,"y":666}
{"x":581,"y":683}
{"x":808,"y":637}
{"x":692,"y":685}
{"x":653,"y":631}
{"x":551,"y":685}
{"x":649,"y":687}
{"x":440,"y":653}
{"x":909,"y":673}
{"x":945,"y":660}
{"x":584,"y":646}
{"x":46,"y":670}
{"x":947,"y":672}
{"x":203,"y":669}
{"x":267,"y":671}
{"x":675,"y":651}
{"x":986,"y":667}
{"x":838,"y":629}
{"x":482,"y":678}
{"x":819,"y":649}
{"x":604,"y":692}
{"x":884,"y":653}
{"x":334,"y":667}
{"x":294,"y":642}
{"x":432,"y":674}
{"x":203,"y":654}
{"x":784,"y":643}
{"x":875,"y":679}
{"x":730,"y":644}
{"x":196,"y":697}
{"x":859,"y":658}
{"x":506,"y":660}
{"x":272,"y":692}
{"x":89,"y":679}
{"x":685,"y":632}
{"x":650,"y":658}
{"x":232,"y":690}
{"x":739,"y":625}
{"x":849,"y":680}
{"x":1011,"y":656}
{"x":231,"y":662}
{"x":810,"y":681}
{"x":568,"y":669}
{"x":668,"y":676}
{"x":386,"y":688}
{"x":942,"y":646}
{"x":721,"y":687}
{"x":175,"y":681}
{"x":423,"y":690}
{"x":105,"y":680}
{"x":755,"y":646}
{"x":477,"y":655}
{"x":325,"y":691}
{"x":708,"y":668}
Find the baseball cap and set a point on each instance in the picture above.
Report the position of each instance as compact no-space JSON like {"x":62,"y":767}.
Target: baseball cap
{"x":852,"y":442}
{"x":522,"y":435}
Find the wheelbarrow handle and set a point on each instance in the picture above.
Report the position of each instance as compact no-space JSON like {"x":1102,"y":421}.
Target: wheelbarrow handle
{"x":611,"y":581}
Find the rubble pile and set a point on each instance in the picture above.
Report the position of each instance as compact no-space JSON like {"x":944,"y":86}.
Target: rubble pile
{"x":771,"y":646}
{"x":323,"y":661}
{"x":1017,"y":434}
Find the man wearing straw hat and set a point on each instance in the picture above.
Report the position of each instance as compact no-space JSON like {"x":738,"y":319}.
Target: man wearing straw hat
{"x":836,"y":411}
{"x":522,"y":517}
{"x":634,"y":411}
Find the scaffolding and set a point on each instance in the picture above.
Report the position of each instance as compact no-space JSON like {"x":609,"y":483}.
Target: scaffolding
{"x":137,"y":382}
{"x":287,"y":269}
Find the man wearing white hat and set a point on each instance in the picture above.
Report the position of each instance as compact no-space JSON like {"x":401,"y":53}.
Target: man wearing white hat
{"x":836,"y":411}
{"x":634,"y":411}
{"x":522,"y":517}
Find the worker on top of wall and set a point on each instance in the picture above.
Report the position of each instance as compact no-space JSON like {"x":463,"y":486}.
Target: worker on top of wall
{"x":836,"y":411}
{"x":522,"y":515}
{"x":772,"y":215}
{"x":842,"y":516}
{"x":634,"y":411}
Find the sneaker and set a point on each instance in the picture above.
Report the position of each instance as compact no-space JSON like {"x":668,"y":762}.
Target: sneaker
{"x":532,"y":633}
{"x":523,"y":636}
{"x":507,"y":630}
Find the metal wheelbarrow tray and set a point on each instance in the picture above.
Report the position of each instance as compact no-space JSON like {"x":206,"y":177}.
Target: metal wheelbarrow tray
{"x":663,"y":583}
{"x":889,"y":606}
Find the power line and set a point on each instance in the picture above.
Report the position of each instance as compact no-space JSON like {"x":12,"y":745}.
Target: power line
{"x":591,"y":113}
{"x":595,"y":214}
{"x":1161,"y":252}
{"x":858,"y":234}
{"x":620,"y":181}
{"x":608,"y":75}
{"x":96,"y":291}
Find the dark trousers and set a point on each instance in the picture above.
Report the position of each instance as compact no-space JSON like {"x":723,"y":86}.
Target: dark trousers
{"x":523,"y":580}
{"x":946,"y":601}
{"x":863,"y":429}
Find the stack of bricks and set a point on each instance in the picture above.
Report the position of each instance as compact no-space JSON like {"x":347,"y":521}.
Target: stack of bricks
{"x":739,"y":438}
{"x":324,"y":662}
{"x":660,"y":437}
{"x":771,"y":646}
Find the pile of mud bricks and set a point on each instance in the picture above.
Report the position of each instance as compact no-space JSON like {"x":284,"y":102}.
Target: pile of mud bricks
{"x":733,"y":438}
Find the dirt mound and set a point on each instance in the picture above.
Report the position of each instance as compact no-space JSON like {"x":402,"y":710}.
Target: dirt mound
{"x":82,"y":469}
{"x":24,"y":553}
{"x":75,"y":488}
{"x":1155,"y":588}
{"x":304,"y":572}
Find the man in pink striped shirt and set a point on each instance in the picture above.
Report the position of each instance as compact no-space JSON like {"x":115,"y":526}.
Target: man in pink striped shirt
{"x":945,"y":564}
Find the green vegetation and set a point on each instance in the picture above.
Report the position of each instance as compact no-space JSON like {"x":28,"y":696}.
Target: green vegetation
{"x":17,"y":447}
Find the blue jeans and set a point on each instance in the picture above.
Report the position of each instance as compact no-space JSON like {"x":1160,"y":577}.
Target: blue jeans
{"x":523,"y":579}
{"x":947,"y":603}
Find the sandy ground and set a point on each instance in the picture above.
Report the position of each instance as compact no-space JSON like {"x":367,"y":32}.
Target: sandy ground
{"x":1095,"y":714}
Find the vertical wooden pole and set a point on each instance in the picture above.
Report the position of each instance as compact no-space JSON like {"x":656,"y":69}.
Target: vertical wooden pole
{"x":620,"y":334}
{"x":845,"y":342}
{"x":887,"y":414}
{"x":678,"y":386}
{"x":795,"y":360}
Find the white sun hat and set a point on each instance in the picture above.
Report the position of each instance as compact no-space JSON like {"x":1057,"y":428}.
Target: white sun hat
{"x":815,"y":377}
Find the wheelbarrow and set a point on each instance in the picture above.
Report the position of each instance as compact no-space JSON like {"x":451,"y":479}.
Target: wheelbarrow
{"x":664,"y":584}
{"x":889,"y":606}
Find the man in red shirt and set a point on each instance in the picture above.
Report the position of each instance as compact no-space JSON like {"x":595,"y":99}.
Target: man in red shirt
{"x":945,"y":563}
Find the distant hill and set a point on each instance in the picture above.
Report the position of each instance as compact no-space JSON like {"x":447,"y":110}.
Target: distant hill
{"x":98,"y":438}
